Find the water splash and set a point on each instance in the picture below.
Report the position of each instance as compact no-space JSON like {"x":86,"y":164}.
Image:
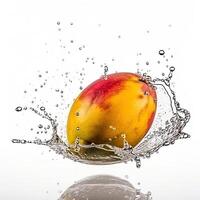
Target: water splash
{"x":168,"y":126}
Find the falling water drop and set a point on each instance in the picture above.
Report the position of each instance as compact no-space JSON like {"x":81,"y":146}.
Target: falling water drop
{"x":105,"y":72}
{"x":40,"y":126}
{"x":18,"y":109}
{"x":161,"y":52}
{"x":172,"y":69}
{"x":42,"y":108}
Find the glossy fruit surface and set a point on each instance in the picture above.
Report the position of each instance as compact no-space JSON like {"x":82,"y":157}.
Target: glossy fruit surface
{"x":122,"y":105}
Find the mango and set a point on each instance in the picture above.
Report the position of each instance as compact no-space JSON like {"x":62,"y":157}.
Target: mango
{"x":120,"y":106}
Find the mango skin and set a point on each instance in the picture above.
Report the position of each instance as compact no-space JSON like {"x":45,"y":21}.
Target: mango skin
{"x":122,"y":105}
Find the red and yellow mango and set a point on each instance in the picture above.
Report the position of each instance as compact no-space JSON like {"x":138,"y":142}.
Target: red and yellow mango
{"x":122,"y":105}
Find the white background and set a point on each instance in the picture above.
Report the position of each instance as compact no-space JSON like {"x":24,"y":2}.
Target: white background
{"x":25,"y":28}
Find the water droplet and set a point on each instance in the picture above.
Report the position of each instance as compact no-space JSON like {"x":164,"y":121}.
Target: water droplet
{"x":148,"y":155}
{"x":42,"y":108}
{"x":112,"y":127}
{"x":161,"y":52}
{"x":71,"y":23}
{"x":39,"y":75}
{"x":40,"y":126}
{"x":72,"y":41}
{"x":81,"y":88}
{"x":147,"y":63}
{"x":58,"y":23}
{"x":172,"y":68}
{"x":18,"y":109}
{"x":149,"y":197}
{"x":105,"y":72}
{"x":78,"y":128}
